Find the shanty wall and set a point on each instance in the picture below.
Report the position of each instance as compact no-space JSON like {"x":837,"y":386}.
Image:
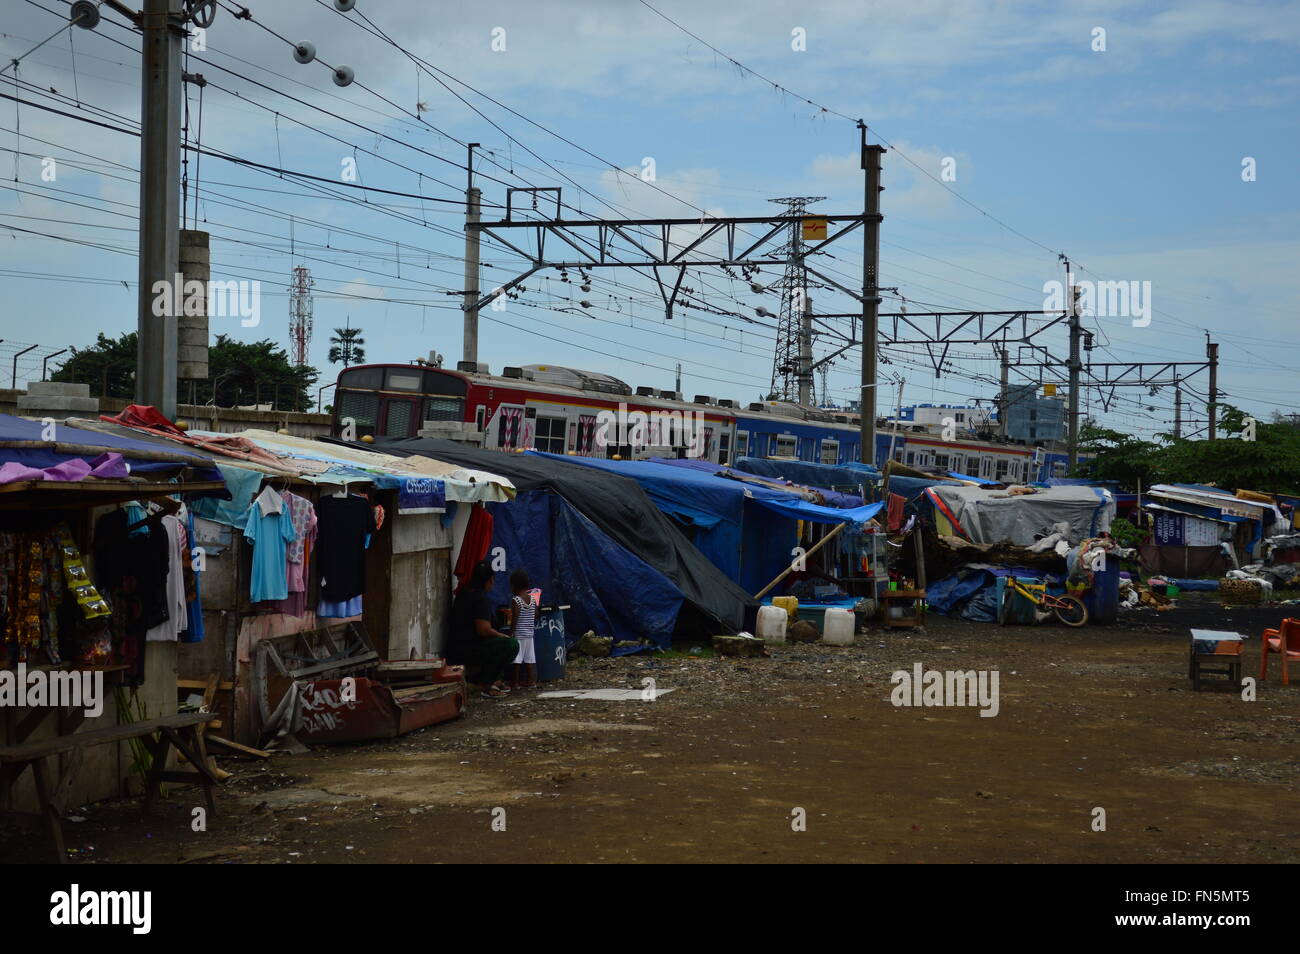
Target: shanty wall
{"x":407,"y":603}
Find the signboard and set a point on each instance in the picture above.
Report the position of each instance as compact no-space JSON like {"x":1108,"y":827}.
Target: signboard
{"x":814,"y":228}
{"x":1049,"y":390}
{"x":1170,"y":529}
{"x":422,"y":495}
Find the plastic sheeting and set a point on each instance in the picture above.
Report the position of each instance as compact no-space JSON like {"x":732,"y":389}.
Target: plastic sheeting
{"x":615,"y":505}
{"x":810,"y":473}
{"x":19,"y":429}
{"x":996,"y":516}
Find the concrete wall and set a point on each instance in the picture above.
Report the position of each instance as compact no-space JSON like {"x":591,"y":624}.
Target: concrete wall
{"x":228,"y":420}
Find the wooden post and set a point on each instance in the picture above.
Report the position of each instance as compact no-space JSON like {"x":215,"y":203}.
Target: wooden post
{"x":790,"y":569}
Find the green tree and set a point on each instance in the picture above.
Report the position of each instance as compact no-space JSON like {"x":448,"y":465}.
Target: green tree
{"x":1250,"y":455}
{"x":244,"y":372}
{"x":108,"y":366}
{"x":346,"y":346}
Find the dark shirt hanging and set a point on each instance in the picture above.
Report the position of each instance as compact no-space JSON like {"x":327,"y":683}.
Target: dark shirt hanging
{"x":342,"y":528}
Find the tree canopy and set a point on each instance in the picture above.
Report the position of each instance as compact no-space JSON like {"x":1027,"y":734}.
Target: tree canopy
{"x":1268,"y":463}
{"x":245,"y":372}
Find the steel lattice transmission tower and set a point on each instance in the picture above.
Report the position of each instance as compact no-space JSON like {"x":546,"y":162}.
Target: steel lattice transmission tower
{"x":792,"y":362}
{"x":300,"y":315}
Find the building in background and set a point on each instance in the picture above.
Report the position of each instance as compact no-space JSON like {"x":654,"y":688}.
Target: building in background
{"x":1032,"y":417}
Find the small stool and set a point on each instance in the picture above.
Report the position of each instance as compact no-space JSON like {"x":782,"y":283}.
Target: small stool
{"x":1214,"y":664}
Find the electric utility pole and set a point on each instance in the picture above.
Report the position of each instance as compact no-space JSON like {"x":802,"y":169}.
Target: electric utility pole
{"x":870,"y":293}
{"x":162,"y":24}
{"x":1075,"y":366}
{"x":472,"y":237}
{"x":1211,"y":405}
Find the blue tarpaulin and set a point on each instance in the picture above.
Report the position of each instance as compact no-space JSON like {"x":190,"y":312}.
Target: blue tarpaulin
{"x":834,"y":498}
{"x":608,"y":588}
{"x":747,"y":543}
{"x":982,"y":481}
{"x":810,"y":473}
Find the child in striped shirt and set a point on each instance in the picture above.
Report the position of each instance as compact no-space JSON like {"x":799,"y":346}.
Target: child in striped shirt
{"x":523,"y":618}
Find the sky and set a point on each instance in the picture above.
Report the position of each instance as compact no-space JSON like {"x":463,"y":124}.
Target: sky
{"x":1148,"y":142}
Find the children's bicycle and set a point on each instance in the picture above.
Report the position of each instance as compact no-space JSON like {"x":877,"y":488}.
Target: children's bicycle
{"x":1067,"y":609}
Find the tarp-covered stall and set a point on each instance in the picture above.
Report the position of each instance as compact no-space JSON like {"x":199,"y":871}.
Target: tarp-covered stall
{"x":998,"y":516}
{"x":594,"y":540}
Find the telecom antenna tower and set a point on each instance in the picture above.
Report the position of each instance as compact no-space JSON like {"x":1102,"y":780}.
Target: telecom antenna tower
{"x":300,"y":315}
{"x":792,"y":362}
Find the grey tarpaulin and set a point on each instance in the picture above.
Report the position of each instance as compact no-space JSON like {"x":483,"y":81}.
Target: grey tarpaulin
{"x":995,"y":516}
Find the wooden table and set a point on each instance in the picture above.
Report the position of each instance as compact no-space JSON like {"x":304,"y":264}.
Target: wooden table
{"x":158,"y":735}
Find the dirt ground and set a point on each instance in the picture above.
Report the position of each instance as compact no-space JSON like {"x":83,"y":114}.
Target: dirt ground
{"x":715,"y":770}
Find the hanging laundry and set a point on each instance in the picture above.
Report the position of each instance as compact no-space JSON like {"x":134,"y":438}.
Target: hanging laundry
{"x":344,"y":524}
{"x":297,"y":555}
{"x":270,"y":532}
{"x":169,"y":629}
{"x":478,"y":538}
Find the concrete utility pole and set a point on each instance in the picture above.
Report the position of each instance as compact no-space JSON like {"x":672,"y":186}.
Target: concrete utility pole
{"x":1003,"y":402}
{"x":473,"y":198}
{"x":1075,"y":366}
{"x":1211,"y":409}
{"x":870,"y":293}
{"x":162,"y":24}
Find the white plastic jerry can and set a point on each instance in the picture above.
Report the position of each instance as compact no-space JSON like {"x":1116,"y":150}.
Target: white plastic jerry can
{"x":838,"y":628}
{"x":772,"y":621}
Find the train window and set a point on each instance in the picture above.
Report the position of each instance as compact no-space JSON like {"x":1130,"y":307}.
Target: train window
{"x":785,"y":446}
{"x":1058,"y":469}
{"x":444,"y":409}
{"x":724,"y":447}
{"x":742,"y":443}
{"x":399,"y":380}
{"x":1003,"y":468}
{"x":830,"y":452}
{"x":370,"y":379}
{"x":986,"y":467}
{"x":397,"y":417}
{"x":941,"y":461}
{"x":911,"y":457}
{"x":479,"y":416}
{"x":362,"y":408}
{"x":550,"y":434}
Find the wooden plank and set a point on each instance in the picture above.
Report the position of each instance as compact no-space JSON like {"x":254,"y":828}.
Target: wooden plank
{"x":118,"y":733}
{"x":237,"y":747}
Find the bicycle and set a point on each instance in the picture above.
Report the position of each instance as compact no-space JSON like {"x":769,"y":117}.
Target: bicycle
{"x":1067,"y":609}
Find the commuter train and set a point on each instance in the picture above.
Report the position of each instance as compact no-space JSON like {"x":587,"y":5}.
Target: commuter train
{"x":567,"y":411}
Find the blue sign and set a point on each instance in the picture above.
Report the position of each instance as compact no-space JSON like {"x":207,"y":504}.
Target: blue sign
{"x":1170,"y":529}
{"x":421,"y":495}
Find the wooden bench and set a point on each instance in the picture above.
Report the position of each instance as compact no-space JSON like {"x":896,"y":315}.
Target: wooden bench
{"x":158,"y":735}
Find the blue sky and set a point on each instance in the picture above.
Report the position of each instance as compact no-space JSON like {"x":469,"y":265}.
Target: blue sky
{"x":1129,"y":160}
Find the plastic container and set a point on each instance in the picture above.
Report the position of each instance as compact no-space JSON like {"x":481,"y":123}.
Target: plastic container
{"x":788,"y":603}
{"x":838,"y":629}
{"x":772,"y":621}
{"x":1102,"y":600}
{"x":549,"y":644}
